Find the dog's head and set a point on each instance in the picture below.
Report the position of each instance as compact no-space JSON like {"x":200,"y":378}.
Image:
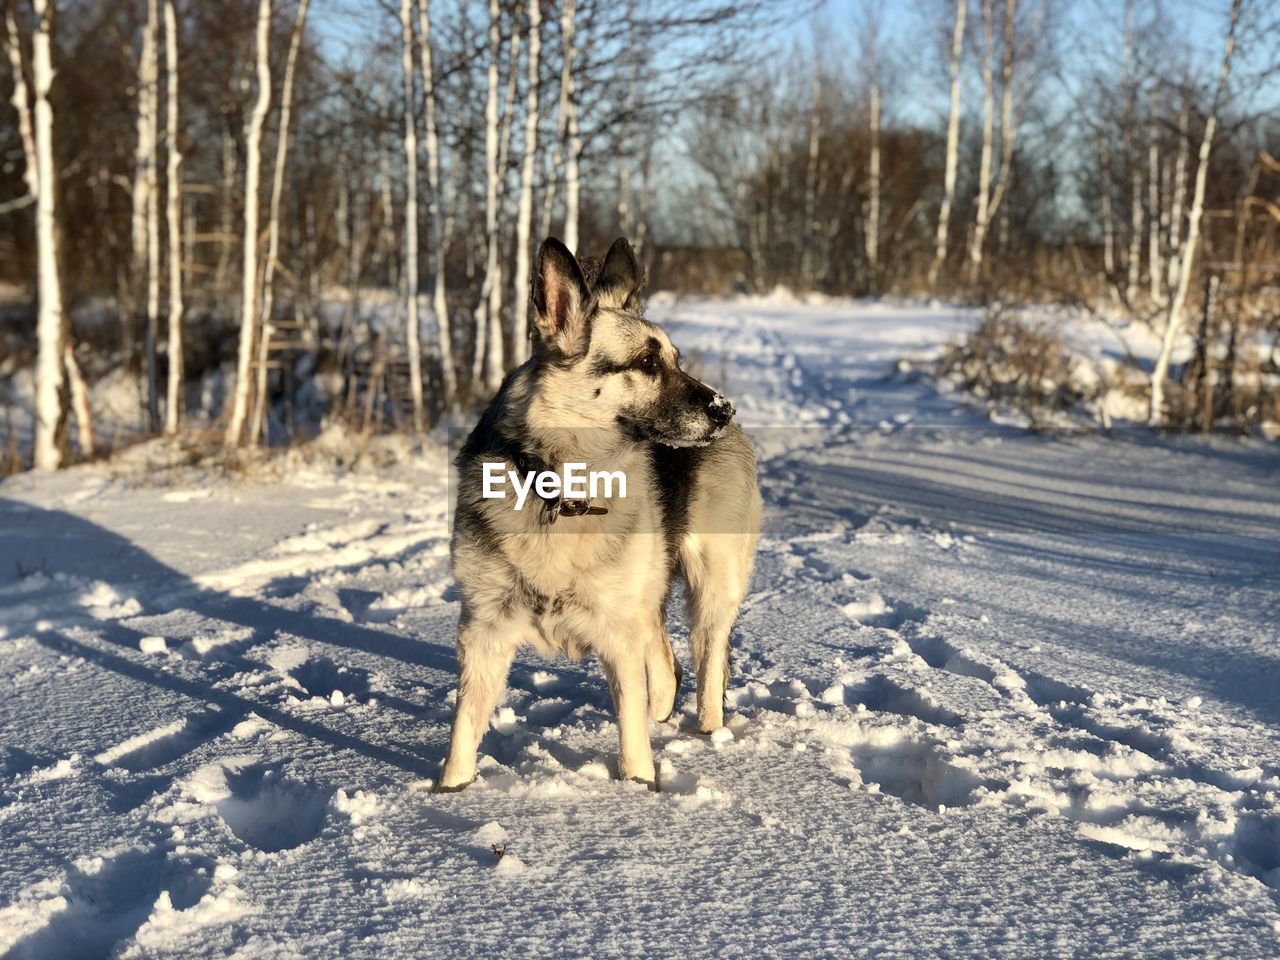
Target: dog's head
{"x":600,"y":364}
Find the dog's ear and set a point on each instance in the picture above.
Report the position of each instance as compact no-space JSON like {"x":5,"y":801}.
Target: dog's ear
{"x":559,"y":298}
{"x":620,"y":278}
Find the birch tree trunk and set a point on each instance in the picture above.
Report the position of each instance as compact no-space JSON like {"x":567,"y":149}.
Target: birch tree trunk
{"x":20,"y":101}
{"x":50,"y":327}
{"x":1008,"y":135}
{"x":1179,"y":194}
{"x":173,"y":180}
{"x":493,"y":285}
{"x":524,"y":219}
{"x":146,"y":212}
{"x":411,"y":219}
{"x":226,"y":209}
{"x":562,"y":127}
{"x":265,"y":328}
{"x":386,"y":203}
{"x":440,"y":298}
{"x":573,"y":140}
{"x":1108,"y":213}
{"x":808,"y":232}
{"x":1177,"y":307}
{"x":871,"y":229}
{"x":1008,"y":119}
{"x":1135,"y":230}
{"x":1131,"y":158}
{"x":79,"y":396}
{"x":988,"y":140}
{"x":483,"y":310}
{"x":249,"y":279}
{"x":1155,"y":266}
{"x":953,"y":147}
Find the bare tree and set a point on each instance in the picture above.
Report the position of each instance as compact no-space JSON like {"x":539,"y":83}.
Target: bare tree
{"x":871,"y":224}
{"x":50,"y":323}
{"x":249,"y":279}
{"x":524,"y":222}
{"x":1179,"y":194}
{"x":1177,"y":307}
{"x":485,"y":323}
{"x":20,"y":100}
{"x":440,"y":298}
{"x":411,"y":220}
{"x":572,"y":138}
{"x":173,"y":182}
{"x":1155,"y":268}
{"x":953,"y":145}
{"x":491,"y":366}
{"x":146,"y":211}
{"x":991,"y":195}
{"x":808,"y":230}
{"x":265,"y":328}
{"x":1131,"y":158}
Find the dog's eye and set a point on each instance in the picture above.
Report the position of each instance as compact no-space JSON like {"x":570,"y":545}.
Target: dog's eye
{"x":648,"y":362}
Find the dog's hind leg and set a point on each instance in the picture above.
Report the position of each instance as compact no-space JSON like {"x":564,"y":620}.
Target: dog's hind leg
{"x":717,"y":567}
{"x":485,"y":652}
{"x":664,"y":673}
{"x":624,"y":667}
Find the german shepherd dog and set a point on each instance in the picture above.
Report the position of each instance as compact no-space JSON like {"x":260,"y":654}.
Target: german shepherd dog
{"x":603,"y":388}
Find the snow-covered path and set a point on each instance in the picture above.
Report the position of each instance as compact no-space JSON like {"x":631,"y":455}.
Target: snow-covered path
{"x":994,"y":695}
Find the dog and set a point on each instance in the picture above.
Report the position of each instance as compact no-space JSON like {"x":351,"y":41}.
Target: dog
{"x":575,"y":575}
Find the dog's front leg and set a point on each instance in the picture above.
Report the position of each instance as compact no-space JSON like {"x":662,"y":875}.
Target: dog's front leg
{"x":484,"y":658}
{"x":665,"y":675}
{"x":625,"y":669}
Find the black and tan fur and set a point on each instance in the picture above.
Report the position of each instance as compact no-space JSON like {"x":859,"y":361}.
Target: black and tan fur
{"x":604,"y":387}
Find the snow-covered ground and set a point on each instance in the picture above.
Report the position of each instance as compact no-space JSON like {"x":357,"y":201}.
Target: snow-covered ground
{"x":994,"y":695}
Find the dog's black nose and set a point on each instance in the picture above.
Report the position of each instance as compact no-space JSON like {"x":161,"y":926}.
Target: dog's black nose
{"x":720,"y":410}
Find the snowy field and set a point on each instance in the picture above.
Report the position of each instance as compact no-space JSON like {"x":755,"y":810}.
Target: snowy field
{"x":994,"y":695}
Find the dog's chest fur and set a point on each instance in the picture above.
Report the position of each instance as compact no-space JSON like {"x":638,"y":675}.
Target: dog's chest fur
{"x":580,"y":577}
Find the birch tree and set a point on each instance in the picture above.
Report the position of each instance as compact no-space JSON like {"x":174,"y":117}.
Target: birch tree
{"x":524,"y":218}
{"x":572,"y":138}
{"x":809,"y":228}
{"x":226,"y":206}
{"x":50,"y":323}
{"x":483,"y":326}
{"x":988,"y":138}
{"x":1155,"y":268}
{"x":489,"y":368}
{"x":871,"y":220}
{"x":1131,"y":158}
{"x":21,"y":100}
{"x":1108,"y":214}
{"x":1177,"y":307}
{"x":146,"y":211}
{"x":173,"y":182}
{"x":991,"y":191}
{"x":411,"y":219}
{"x":953,"y":146}
{"x":265,"y":328}
{"x":1179,"y":194}
{"x":440,"y":298}
{"x":249,"y":279}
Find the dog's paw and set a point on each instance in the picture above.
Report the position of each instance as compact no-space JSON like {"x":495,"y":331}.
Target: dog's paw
{"x":653,"y":785}
{"x":441,"y":787}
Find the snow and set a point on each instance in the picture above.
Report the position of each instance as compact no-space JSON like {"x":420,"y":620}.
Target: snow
{"x":994,"y":695}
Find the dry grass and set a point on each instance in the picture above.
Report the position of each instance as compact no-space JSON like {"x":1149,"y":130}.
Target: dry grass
{"x":1014,"y":362}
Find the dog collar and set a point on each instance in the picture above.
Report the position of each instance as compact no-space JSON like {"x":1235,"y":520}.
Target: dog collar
{"x":561,"y":507}
{"x":552,"y":507}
